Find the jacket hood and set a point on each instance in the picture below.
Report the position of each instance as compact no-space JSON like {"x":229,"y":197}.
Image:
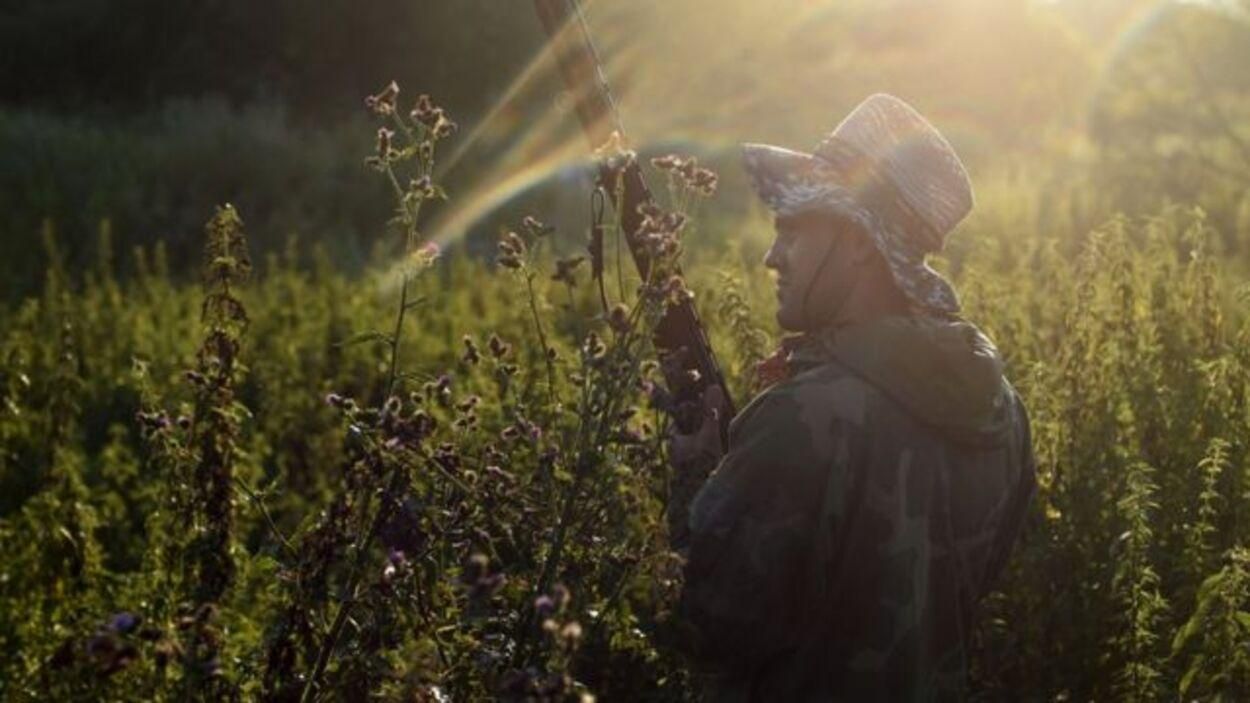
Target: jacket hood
{"x":946,"y":372}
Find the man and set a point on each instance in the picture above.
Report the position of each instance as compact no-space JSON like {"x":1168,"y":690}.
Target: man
{"x":867,"y":499}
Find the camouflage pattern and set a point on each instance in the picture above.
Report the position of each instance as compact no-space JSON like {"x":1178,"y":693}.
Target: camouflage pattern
{"x":863,"y":507}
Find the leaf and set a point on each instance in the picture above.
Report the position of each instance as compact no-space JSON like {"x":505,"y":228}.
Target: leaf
{"x":1195,"y":666}
{"x":1243,"y":618}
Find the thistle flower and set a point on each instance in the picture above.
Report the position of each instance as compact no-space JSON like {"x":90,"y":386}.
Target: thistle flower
{"x":544,"y":606}
{"x":426,"y":254}
{"x":475,"y":567}
{"x":565,"y":268}
{"x":384,"y":152}
{"x":471,"y":354}
{"x":704,"y":182}
{"x":562,"y":596}
{"x":571,"y":633}
{"x":123,"y":622}
{"x":443,"y":128}
{"x":422,"y":187}
{"x":535,"y":227}
{"x":615,"y":155}
{"x":498,"y":347}
{"x":648,"y":209}
{"x":668,"y":162}
{"x":687,"y":168}
{"x":618,"y":319}
{"x":383,"y":104}
{"x":423,"y":111}
{"x":594,"y":348}
{"x":511,"y":249}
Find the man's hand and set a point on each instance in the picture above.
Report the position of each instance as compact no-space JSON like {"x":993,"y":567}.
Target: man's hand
{"x":693,"y":456}
{"x":703,"y":446}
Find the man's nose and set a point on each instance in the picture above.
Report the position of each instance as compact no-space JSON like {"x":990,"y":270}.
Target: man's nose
{"x":772,"y":257}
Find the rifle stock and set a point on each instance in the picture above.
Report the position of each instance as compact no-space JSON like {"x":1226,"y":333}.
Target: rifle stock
{"x":680,"y":334}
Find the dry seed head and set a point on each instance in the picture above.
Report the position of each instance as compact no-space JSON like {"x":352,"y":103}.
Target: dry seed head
{"x":383,"y":104}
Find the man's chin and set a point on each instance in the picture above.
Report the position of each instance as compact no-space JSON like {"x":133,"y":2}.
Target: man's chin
{"x":787,"y":322}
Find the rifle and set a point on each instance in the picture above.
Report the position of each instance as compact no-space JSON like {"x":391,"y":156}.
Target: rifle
{"x":679,"y":336}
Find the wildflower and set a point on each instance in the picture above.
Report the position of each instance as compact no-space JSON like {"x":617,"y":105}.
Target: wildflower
{"x":675,"y":289}
{"x":687,"y":168}
{"x":673,"y":222}
{"x":544,"y":606}
{"x":618,"y":318}
{"x":593,"y":348}
{"x":565,"y":269}
{"x":444,"y":128}
{"x":704,"y":181}
{"x":439,"y":390}
{"x":426,"y":254}
{"x":124,"y":622}
{"x":497,"y":473}
{"x":392,"y":406}
{"x":535,"y":227}
{"x":471,"y":354}
{"x":498,"y":348}
{"x":615,"y":155}
{"x":562,"y":596}
{"x":475,"y":568}
{"x":165,"y":650}
{"x":487,"y":586}
{"x":511,"y":249}
{"x":447,"y":457}
{"x":571,"y":633}
{"x":668,"y":162}
{"x":423,"y":111}
{"x":383,"y":104}
{"x":422,"y":187}
{"x":649,"y":210}
{"x":384,"y":150}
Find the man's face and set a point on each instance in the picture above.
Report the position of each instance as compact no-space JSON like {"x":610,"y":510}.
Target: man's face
{"x":814,"y":276}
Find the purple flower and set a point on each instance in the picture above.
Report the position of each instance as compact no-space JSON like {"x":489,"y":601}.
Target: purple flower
{"x":544,"y":606}
{"x":123,"y":622}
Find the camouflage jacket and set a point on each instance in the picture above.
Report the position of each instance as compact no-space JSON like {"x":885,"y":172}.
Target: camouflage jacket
{"x":863,"y":507}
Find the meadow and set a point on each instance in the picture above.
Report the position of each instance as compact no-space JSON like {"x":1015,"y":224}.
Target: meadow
{"x":440,"y":474}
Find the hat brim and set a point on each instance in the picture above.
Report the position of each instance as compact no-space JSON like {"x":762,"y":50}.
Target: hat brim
{"x":790,"y":182}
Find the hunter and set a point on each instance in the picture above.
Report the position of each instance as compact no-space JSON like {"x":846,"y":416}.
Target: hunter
{"x":869,"y":497}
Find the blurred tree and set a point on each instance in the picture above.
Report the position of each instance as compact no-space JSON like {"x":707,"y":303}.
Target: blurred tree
{"x":321,"y":57}
{"x":1172,"y":115}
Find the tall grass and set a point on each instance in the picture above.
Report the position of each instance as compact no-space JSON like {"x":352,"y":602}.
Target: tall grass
{"x":455,"y":484}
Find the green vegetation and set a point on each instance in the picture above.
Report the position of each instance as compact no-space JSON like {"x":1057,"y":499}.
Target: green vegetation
{"x":346,"y":464}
